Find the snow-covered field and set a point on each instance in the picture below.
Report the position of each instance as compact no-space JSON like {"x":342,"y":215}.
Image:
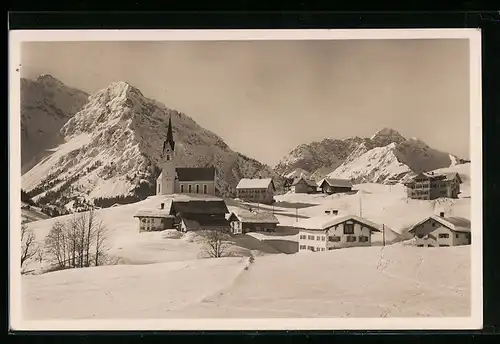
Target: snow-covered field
{"x":161,"y":275}
{"x":395,"y":281}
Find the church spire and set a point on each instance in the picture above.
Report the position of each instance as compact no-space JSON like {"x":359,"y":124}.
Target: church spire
{"x":170,"y":136}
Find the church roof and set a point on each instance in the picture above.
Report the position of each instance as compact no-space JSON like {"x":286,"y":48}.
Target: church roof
{"x":190,"y":174}
{"x":199,"y":207}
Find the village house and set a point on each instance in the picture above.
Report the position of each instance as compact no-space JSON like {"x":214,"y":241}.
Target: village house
{"x":200,"y":214}
{"x":439,"y":231}
{"x":244,"y":221}
{"x":185,"y":180}
{"x":330,"y":232}
{"x":331,"y":186}
{"x":303,"y":185}
{"x":257,"y":190}
{"x":155,"y":219}
{"x":429,"y":186}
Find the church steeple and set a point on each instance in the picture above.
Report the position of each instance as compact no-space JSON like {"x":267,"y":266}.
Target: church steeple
{"x":170,"y":136}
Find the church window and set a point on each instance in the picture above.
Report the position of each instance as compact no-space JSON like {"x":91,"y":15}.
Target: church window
{"x":189,"y":188}
{"x":197,"y":188}
{"x":159,"y":188}
{"x":182,"y":188}
{"x":205,"y":189}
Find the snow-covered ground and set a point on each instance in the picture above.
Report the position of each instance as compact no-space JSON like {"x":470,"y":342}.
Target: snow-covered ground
{"x":161,"y":275}
{"x":395,"y":281}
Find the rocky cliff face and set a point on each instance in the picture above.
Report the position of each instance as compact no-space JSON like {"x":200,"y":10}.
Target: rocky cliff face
{"x":46,"y":105}
{"x":112,"y":147}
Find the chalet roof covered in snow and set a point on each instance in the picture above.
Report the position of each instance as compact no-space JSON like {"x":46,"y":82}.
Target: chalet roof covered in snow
{"x":191,"y":174}
{"x":248,"y":216}
{"x":307,"y":181}
{"x":345,"y":183}
{"x":160,"y":213}
{"x":205,"y":207}
{"x":326,"y":221}
{"x":448,"y":176}
{"x":254,"y":183}
{"x":194,"y":223}
{"x":456,"y":224}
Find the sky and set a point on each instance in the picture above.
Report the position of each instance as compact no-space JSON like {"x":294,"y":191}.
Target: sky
{"x":264,"y":98}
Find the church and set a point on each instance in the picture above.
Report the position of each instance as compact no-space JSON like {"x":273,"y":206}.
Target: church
{"x":182,"y":180}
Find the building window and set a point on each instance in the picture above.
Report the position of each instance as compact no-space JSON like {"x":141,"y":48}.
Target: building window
{"x":182,"y":188}
{"x":303,"y":236}
{"x":457,"y":236}
{"x":159,"y":188}
{"x":311,"y":248}
{"x":363,"y":238}
{"x":168,"y":157}
{"x":189,"y":188}
{"x":348,"y":228}
{"x":302,"y":247}
{"x":322,"y":238}
{"x":444,"y":236}
{"x":334,"y":238}
{"x":420,"y":245}
{"x":310,"y":237}
{"x":351,"y":238}
{"x":204,"y":189}
{"x":197,"y":188}
{"x":318,"y":238}
{"x":444,"y":245}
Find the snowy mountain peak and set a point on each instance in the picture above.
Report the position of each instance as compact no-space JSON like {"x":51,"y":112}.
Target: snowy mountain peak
{"x":48,"y":79}
{"x":388,"y":135}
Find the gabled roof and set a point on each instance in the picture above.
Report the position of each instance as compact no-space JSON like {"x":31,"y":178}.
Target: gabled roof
{"x":326,"y":221}
{"x":456,"y":224}
{"x":191,"y":174}
{"x":337,"y":182}
{"x":203,"y":222}
{"x":305,"y":180}
{"x":160,"y":213}
{"x":248,"y":216}
{"x":448,"y":176}
{"x":206,"y":207}
{"x":254,"y":183}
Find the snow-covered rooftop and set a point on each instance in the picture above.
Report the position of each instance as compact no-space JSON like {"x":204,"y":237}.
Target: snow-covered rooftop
{"x":326,"y":221}
{"x":254,"y":183}
{"x":457,"y":224}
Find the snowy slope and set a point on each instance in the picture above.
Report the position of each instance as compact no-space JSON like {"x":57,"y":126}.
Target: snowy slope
{"x":297,"y":173}
{"x":396,"y":281}
{"x":46,"y":105}
{"x":112,"y":147}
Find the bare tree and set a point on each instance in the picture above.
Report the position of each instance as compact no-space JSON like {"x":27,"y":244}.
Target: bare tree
{"x":28,"y":246}
{"x":71,"y":244}
{"x":215,"y":244}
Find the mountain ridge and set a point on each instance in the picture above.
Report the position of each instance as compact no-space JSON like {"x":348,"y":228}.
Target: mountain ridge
{"x":385,"y":155}
{"x":113,"y":147}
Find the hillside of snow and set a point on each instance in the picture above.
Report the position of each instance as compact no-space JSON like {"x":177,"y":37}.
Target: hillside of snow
{"x":297,"y":173}
{"x":385,"y":155}
{"x":112,"y":147}
{"x":395,"y":281}
{"x":46,"y":105}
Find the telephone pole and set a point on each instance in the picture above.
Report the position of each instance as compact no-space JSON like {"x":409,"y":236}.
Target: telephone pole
{"x":383,"y":234}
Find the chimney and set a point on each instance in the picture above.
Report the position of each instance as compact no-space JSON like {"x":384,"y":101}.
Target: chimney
{"x":162,"y":206}
{"x":260,"y":177}
{"x":441,"y":214}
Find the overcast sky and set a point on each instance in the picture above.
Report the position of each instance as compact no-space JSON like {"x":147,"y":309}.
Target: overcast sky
{"x":266,"y":97}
